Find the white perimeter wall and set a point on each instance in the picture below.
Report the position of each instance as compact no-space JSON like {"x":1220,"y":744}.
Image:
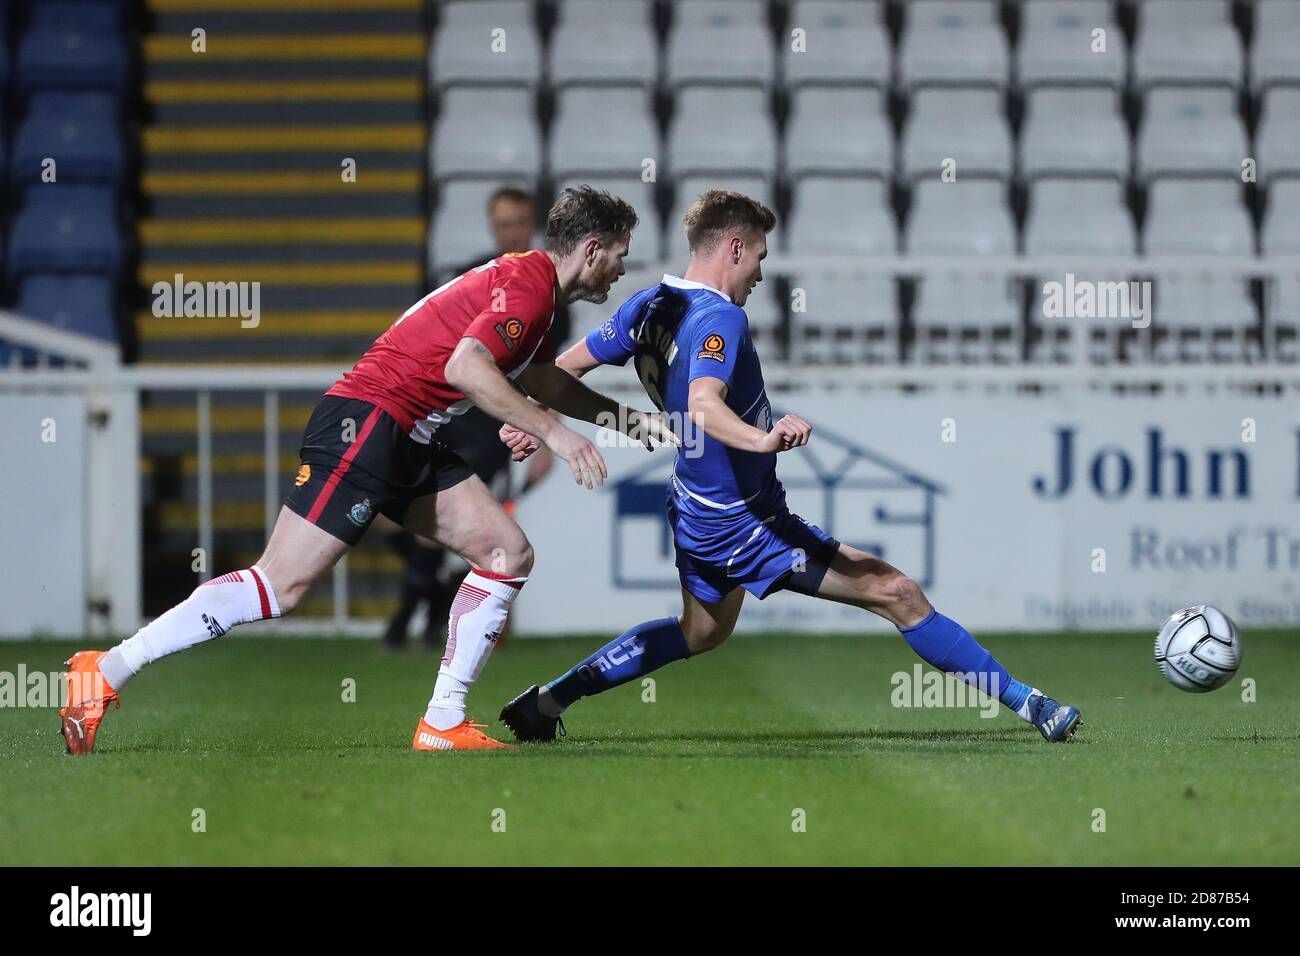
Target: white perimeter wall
{"x":984,"y":522}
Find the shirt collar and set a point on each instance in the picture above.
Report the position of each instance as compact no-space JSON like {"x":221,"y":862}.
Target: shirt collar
{"x":678,"y":283}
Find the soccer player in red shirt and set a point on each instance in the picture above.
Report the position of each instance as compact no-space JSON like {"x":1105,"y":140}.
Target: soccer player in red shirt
{"x":372,"y":446}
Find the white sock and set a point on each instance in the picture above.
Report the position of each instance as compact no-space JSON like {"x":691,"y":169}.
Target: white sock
{"x":214,"y":608}
{"x":547,"y":704}
{"x":1023,"y":712}
{"x":478,"y":615}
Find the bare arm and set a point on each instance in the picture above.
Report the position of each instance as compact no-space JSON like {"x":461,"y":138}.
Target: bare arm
{"x":472,"y":371}
{"x":707,"y":403}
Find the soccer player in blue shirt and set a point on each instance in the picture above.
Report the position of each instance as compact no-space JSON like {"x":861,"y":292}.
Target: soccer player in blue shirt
{"x":732,"y":530}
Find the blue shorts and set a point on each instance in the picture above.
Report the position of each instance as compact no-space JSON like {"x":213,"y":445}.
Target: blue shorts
{"x":716,"y":554}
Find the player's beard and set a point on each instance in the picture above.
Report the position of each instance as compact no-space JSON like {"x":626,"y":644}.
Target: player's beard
{"x":594,"y":295}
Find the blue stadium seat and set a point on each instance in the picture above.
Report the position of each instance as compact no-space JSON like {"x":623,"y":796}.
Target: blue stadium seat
{"x":103,"y":17}
{"x":73,"y":303}
{"x":69,"y":228}
{"x":78,"y":131}
{"x":71,"y":56}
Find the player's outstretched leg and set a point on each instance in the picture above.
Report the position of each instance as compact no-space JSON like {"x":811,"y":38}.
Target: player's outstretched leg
{"x":864,"y":580}
{"x":467,"y":519}
{"x":535,"y":714}
{"x":296,"y":555}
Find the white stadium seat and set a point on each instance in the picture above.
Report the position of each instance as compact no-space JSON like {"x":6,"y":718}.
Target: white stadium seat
{"x":964,"y":125}
{"x":460,"y":223}
{"x":838,"y":130}
{"x":1079,"y":216}
{"x":1073,"y":132}
{"x":1275,"y":53}
{"x":602,"y":42}
{"x":841,"y":216}
{"x":845,"y":42}
{"x":1197,"y":217}
{"x":844,"y":318}
{"x":966,"y":217}
{"x":603,"y":130}
{"x":967,"y":320}
{"x":1206,"y":317}
{"x":1186,"y":41}
{"x":486,"y":41}
{"x":722,"y":129}
{"x":952,"y":41}
{"x":1277,"y":138}
{"x":1282,"y":319}
{"x":1057,"y":45}
{"x":487,"y":132}
{"x":719,"y":41}
{"x":1281,"y":230}
{"x":1189,"y":131}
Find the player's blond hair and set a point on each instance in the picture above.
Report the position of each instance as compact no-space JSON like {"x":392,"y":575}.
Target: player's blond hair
{"x":722,"y":211}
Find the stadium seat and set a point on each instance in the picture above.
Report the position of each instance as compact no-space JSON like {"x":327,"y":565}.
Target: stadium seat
{"x":690,"y":188}
{"x":602,"y":130}
{"x":68,"y":55}
{"x":646,"y":237}
{"x":966,"y":320}
{"x":77,"y":303}
{"x":79,"y":131}
{"x":846,"y":42}
{"x":1067,"y":337}
{"x":460,"y":226}
{"x":719,"y":130}
{"x":1204,"y":318}
{"x":967,"y":126}
{"x":1186,"y":41}
{"x":65,"y":228}
{"x":1073,"y":216}
{"x":1280,"y":234}
{"x":1076,"y":132}
{"x":1197,"y":217}
{"x":1190,"y":131}
{"x":838,"y":130}
{"x":719,"y":41}
{"x":604,"y":42}
{"x":843,"y":318}
{"x":1275,"y":52}
{"x":487,"y":132}
{"x":952,"y":41}
{"x":1277,"y":138}
{"x":967,"y":217}
{"x":92,"y":16}
{"x":833,"y":216}
{"x":486,"y":42}
{"x":1282,"y":319}
{"x":1056,"y":44}
{"x":764,"y":310}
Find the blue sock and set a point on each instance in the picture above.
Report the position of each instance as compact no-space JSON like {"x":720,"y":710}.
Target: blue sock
{"x":945,"y":644}
{"x":645,"y":648}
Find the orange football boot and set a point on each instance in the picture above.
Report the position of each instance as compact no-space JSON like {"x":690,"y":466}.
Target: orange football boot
{"x":466,"y":735}
{"x":88,"y":697}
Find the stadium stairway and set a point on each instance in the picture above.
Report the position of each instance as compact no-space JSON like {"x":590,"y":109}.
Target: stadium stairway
{"x":243,"y":181}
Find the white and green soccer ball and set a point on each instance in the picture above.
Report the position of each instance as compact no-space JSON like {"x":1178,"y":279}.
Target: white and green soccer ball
{"x":1198,"y":649}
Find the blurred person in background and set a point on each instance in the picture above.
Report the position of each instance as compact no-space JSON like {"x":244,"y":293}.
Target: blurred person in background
{"x":432,"y":574}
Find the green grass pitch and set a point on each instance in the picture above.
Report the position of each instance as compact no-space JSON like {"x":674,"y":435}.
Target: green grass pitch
{"x":255,"y":733}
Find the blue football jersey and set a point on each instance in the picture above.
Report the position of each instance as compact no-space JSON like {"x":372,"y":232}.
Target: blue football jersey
{"x":679,"y":331}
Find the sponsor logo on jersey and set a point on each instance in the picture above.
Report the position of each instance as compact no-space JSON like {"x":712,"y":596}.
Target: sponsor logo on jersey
{"x":510,"y":331}
{"x":714,"y":348}
{"x":304,"y":475}
{"x":361,"y":513}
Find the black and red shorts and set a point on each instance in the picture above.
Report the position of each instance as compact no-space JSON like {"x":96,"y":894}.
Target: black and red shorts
{"x":358,"y":462}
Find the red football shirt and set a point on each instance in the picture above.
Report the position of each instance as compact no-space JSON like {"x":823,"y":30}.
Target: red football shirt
{"x":507,"y":304}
